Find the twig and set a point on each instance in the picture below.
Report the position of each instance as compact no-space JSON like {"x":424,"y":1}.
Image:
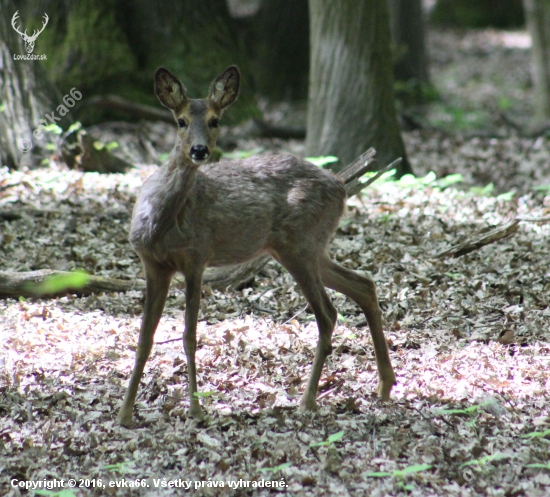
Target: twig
{"x":297,"y":314}
{"x":169,"y":341}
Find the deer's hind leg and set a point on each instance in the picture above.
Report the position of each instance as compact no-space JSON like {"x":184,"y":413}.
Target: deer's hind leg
{"x":305,"y":271}
{"x":363,"y":291}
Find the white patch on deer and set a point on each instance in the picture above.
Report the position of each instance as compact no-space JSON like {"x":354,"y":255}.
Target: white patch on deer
{"x":144,"y":210}
{"x":296,"y":194}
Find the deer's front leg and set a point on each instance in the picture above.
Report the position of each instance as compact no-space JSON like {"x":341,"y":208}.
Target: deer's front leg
{"x":158,"y":283}
{"x":193,"y":282}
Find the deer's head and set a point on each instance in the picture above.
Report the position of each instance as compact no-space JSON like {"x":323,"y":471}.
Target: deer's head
{"x":29,"y":40}
{"x":197,"y":119}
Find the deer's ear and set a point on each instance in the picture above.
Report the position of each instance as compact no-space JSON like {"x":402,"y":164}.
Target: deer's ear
{"x":169,"y":89}
{"x":224,"y":90}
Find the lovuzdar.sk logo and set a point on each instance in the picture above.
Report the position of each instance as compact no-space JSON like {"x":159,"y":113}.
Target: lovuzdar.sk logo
{"x":29,"y":39}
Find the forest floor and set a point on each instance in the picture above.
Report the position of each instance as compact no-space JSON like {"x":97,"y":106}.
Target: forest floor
{"x":468,"y":335}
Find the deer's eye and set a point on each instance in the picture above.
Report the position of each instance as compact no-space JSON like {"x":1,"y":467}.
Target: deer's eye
{"x":182,"y":123}
{"x":214,"y":123}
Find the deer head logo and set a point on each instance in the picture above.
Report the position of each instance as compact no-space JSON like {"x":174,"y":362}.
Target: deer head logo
{"x":29,"y":40}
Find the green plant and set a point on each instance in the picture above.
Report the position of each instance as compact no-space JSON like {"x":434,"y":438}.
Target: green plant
{"x":504,"y":103}
{"x":451,"y":179}
{"x":542,"y":188}
{"x":74,"y":127}
{"x":107,"y":146}
{"x":330,"y":440}
{"x":420,"y":182}
{"x":323,"y":160}
{"x":400,"y":474}
{"x":120,"y":468}
{"x":342,"y":318}
{"x":202,"y":395}
{"x":537,"y":434}
{"x":467,"y":410}
{"x":59,"y":282}
{"x":454,"y":276}
{"x":538,"y":465}
{"x":482,"y":461}
{"x":507,"y":196}
{"x":483,"y":191}
{"x":52,"y":128}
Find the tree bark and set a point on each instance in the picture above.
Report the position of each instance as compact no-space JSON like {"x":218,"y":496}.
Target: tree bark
{"x":407,"y":28}
{"x":351,"y":104}
{"x":25,"y":96}
{"x":281,"y":42}
{"x":538,"y":22}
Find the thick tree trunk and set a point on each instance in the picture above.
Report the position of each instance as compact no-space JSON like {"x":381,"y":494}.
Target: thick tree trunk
{"x":538,"y":22}
{"x":351,"y":104}
{"x":25,"y":95}
{"x":407,"y":28}
{"x":281,"y":31}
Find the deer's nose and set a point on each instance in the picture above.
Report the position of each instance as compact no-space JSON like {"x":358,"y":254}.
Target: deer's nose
{"x":199,"y":152}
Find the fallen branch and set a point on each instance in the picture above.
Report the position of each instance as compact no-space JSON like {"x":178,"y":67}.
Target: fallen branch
{"x":25,"y":284}
{"x":139,"y":110}
{"x":481,"y":239}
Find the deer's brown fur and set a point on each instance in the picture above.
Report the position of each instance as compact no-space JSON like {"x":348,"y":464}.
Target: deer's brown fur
{"x":191,"y":215}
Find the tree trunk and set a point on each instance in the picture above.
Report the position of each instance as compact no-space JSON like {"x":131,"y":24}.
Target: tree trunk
{"x":281,"y":43}
{"x":407,"y":28}
{"x":351,"y":104}
{"x":25,"y":94}
{"x":538,"y":22}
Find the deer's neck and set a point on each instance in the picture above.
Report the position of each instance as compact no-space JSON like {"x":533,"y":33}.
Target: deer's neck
{"x":162,"y":200}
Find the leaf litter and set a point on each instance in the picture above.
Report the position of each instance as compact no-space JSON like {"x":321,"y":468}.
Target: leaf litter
{"x":467,"y":336}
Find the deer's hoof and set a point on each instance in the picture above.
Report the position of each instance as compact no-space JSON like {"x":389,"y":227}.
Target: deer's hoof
{"x":384,"y":389}
{"x":195,"y":412}
{"x":308,"y":405}
{"x":124,"y":418}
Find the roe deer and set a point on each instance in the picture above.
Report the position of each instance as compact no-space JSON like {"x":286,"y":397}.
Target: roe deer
{"x":188,"y":217}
